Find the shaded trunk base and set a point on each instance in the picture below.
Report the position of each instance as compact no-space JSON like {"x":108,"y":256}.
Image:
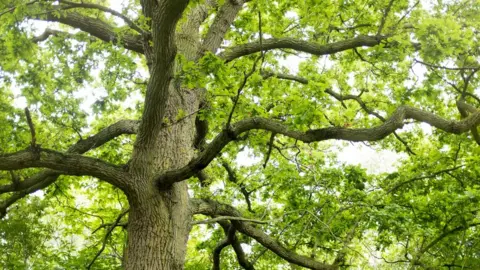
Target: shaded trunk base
{"x":158,"y":229}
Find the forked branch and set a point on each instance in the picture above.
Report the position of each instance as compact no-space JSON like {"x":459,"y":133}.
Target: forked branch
{"x":213,"y":208}
{"x":46,"y":177}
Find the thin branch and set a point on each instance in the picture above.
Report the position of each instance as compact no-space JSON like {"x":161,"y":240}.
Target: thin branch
{"x":269,"y":152}
{"x":107,"y":235}
{"x":230,"y":234}
{"x":120,"y":224}
{"x":82,"y":146}
{"x":440,"y":238}
{"x":32,"y":128}
{"x":232,"y":177}
{"x":47,"y":177}
{"x":15,"y":179}
{"x":230,"y":231}
{"x":399,"y":185}
{"x":407,"y":13}
{"x":384,"y":17}
{"x":47,"y":33}
{"x":267,"y":75}
{"x":444,"y":67}
{"x":240,"y":89}
{"x":348,"y":28}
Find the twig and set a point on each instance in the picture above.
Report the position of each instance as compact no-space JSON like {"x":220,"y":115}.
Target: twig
{"x":232,"y":177}
{"x":444,"y":67}
{"x":14,"y":7}
{"x":261,"y":35}
{"x":423,"y":177}
{"x":239,"y":91}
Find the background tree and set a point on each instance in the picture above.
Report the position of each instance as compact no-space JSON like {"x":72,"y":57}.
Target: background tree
{"x":203,"y":81}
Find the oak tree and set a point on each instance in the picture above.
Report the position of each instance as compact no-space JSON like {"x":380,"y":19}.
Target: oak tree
{"x":139,"y":113}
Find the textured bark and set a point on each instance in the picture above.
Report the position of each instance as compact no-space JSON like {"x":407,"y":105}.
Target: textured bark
{"x":224,"y":19}
{"x":96,"y":28}
{"x":159,"y":220}
{"x":71,"y":164}
{"x":158,"y":228}
{"x":301,"y":46}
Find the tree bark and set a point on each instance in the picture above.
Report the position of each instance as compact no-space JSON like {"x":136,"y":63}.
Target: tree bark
{"x":158,"y":229}
{"x":159,"y":220}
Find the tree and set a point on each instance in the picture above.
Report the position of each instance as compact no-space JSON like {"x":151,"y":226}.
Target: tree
{"x":205,"y":80}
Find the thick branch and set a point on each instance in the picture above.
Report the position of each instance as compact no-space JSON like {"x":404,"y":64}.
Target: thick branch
{"x":340,"y":98}
{"x":96,"y":28}
{"x":232,"y":240}
{"x":82,"y":146}
{"x":129,"y":22}
{"x":212,"y":208}
{"x":45,"y":178}
{"x":396,"y":121}
{"x":72,"y":164}
{"x":230,"y":232}
{"x":222,"y":22}
{"x":164,"y":15}
{"x":39,"y":181}
{"x":300,"y":45}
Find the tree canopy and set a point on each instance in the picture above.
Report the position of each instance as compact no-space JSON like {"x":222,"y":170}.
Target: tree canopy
{"x":128,"y":127}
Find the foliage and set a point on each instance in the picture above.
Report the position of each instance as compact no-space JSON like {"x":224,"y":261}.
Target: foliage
{"x":422,"y":212}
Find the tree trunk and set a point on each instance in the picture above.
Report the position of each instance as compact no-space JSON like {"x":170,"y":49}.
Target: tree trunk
{"x":158,"y":229}
{"x":159,"y":219}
